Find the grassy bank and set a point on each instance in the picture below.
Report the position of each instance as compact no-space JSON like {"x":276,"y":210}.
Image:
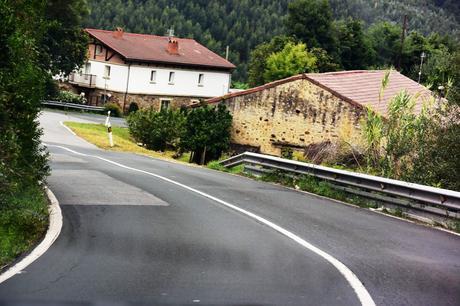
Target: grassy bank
{"x":97,"y":135}
{"x":23,"y":221}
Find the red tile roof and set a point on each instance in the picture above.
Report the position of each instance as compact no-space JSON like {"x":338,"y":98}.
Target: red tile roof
{"x":152,"y":48}
{"x":359,"y":87}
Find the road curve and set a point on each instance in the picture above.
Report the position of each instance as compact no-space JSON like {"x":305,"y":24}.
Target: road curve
{"x":132,"y":237}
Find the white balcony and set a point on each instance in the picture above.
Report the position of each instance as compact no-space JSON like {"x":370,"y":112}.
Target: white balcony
{"x":83,"y":79}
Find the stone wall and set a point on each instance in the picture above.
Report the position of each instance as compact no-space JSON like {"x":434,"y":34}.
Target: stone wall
{"x":294,"y":114}
{"x":143,"y":101}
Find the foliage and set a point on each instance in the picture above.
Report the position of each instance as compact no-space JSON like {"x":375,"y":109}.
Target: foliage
{"x":244,"y":24}
{"x":215,"y":165}
{"x":22,"y":159}
{"x":310,"y":21}
{"x":240,"y":85}
{"x":354,"y":49}
{"x":114,"y":108}
{"x":419,"y":147}
{"x":23,"y":220}
{"x":207,"y":133}
{"x":258,"y":58}
{"x":69,"y":97}
{"x":64,"y":44}
{"x":156,"y":130}
{"x":123,"y":141}
{"x":291,"y":60}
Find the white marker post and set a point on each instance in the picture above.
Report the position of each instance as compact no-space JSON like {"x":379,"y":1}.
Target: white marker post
{"x":109,"y":128}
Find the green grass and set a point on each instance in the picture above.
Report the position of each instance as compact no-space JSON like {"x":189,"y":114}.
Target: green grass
{"x":320,"y":187}
{"x":23,"y":221}
{"x":215,"y":165}
{"x":123,"y":142}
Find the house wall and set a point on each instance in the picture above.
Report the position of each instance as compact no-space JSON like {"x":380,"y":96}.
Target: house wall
{"x":143,"y":101}
{"x":294,"y":114}
{"x":185,"y":80}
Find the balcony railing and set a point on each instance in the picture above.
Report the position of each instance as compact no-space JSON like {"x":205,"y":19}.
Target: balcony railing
{"x":83,"y":79}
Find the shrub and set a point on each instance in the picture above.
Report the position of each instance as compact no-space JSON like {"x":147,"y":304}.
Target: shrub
{"x":69,"y":97}
{"x":156,"y":130}
{"x":114,"y":108}
{"x":207,"y":133}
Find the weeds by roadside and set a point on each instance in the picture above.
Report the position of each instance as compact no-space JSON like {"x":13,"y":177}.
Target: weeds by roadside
{"x":23,"y":221}
{"x":215,"y":165}
{"x":319,"y":187}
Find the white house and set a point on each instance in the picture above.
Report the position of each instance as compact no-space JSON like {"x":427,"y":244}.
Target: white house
{"x":151,"y":71}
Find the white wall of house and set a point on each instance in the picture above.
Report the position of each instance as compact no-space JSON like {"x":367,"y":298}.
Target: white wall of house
{"x":185,"y":80}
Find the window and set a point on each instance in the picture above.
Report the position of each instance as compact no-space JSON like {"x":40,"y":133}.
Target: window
{"x":87,"y":68}
{"x":107,"y":72}
{"x":164,"y":104}
{"x":171,"y":77}
{"x":200,"y":79}
{"x":98,"y":49}
{"x":153,"y":76}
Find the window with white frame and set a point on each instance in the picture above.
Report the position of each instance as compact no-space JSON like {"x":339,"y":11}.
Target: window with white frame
{"x":171,"y":77}
{"x":164,"y":104}
{"x":201,"y":79}
{"x":153,"y":76}
{"x":107,"y":72}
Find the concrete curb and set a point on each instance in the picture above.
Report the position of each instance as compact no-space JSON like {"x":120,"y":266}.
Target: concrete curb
{"x":54,"y":229}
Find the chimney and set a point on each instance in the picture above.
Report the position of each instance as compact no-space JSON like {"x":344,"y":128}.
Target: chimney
{"x":118,"y":33}
{"x":173,"y":46}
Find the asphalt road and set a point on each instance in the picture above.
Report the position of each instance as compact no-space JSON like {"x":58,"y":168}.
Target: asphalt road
{"x":132,"y":237}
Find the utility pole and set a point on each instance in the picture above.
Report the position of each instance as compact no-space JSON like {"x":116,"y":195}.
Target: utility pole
{"x":403,"y":37}
{"x":422,"y":56}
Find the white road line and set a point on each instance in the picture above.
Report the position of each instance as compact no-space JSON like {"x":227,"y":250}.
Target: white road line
{"x":361,"y":292}
{"x":67,"y":128}
{"x":51,"y":235}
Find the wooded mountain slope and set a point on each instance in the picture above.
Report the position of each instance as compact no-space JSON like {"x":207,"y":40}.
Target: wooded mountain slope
{"x":243,"y":24}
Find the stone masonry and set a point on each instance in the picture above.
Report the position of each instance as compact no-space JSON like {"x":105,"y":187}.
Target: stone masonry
{"x":293,"y":114}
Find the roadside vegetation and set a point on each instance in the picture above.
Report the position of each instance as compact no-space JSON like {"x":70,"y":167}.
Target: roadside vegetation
{"x":198,"y":135}
{"x":38,"y":39}
{"x":123,"y":141}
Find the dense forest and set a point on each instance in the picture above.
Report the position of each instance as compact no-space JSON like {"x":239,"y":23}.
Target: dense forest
{"x":244,"y":24}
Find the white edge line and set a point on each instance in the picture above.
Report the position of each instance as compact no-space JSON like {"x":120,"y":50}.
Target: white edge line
{"x":54,"y":229}
{"x":361,"y":292}
{"x":67,"y":128}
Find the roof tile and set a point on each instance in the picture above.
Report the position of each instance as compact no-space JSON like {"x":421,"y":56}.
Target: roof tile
{"x":152,"y":48}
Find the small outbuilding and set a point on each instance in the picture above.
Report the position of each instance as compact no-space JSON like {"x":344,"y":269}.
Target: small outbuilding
{"x":311,"y":109}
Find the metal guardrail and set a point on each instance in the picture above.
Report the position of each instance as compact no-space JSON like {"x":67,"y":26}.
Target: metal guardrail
{"x":430,"y":200}
{"x":74,"y":105}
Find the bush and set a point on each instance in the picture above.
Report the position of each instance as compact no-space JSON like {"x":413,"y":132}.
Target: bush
{"x":207,"y":133}
{"x":114,"y":108}
{"x":69,"y":97}
{"x":156,"y":130}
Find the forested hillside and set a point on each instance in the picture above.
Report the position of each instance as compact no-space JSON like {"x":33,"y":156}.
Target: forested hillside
{"x":244,"y":24}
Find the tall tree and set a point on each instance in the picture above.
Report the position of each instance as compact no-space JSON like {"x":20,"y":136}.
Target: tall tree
{"x":64,"y":44}
{"x":311,"y":22}
{"x":258,"y":59}
{"x":354,"y":48}
{"x":292,"y":60}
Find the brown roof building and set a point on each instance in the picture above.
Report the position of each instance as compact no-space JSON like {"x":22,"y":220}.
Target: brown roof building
{"x":149,"y":71}
{"x":310,"y":109}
